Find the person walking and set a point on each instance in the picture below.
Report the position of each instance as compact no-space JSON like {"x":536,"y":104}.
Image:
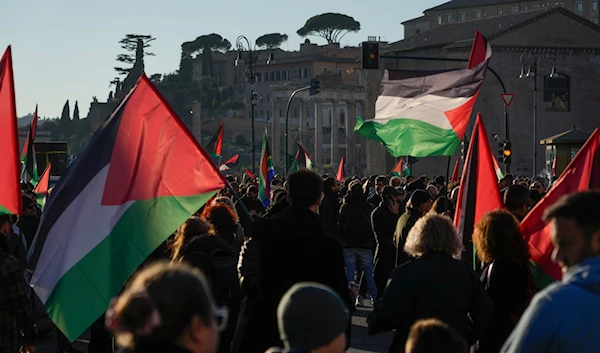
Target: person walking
{"x":419,"y":204}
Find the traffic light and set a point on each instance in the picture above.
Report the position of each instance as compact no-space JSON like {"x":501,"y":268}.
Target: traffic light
{"x":314,"y":86}
{"x":370,"y":55}
{"x":506,"y":152}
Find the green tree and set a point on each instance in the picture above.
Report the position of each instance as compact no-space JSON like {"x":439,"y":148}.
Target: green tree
{"x":65,"y":120}
{"x":206,"y":44}
{"x":130,"y":45}
{"x":156,"y":78}
{"x":76,"y":111}
{"x":271,"y":41}
{"x":331,"y":26}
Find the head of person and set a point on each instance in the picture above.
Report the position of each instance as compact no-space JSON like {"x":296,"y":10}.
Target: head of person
{"x":330,"y":186}
{"x":444,"y":207}
{"x":575,"y":228}
{"x":517,"y":200}
{"x":424,"y":179}
{"x":420,"y":200}
{"x":166,"y":305}
{"x":380,"y":182}
{"x":440,"y":182}
{"x":305,"y":190}
{"x":276,"y":183}
{"x":409,"y":179}
{"x":193,"y":227}
{"x":225,"y":200}
{"x":29,"y":206}
{"x":220,"y":214}
{"x":5,"y":225}
{"x":395,"y":181}
{"x":252,"y":192}
{"x":497,"y":234}
{"x":313,"y":318}
{"x":432,"y":190}
{"x":506,"y":181}
{"x":433,"y":233}
{"x":538,"y":186}
{"x":389,"y":193}
{"x":432,"y":335}
{"x":356,"y":190}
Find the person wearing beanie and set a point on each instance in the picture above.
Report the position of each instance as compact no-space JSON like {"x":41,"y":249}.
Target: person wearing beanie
{"x":419,"y":204}
{"x":312,"y":318}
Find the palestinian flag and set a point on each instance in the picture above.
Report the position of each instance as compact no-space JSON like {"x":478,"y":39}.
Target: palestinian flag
{"x":582,"y":174}
{"x":230,"y":163}
{"x":341,"y":169}
{"x":455,"y":176}
{"x":302,"y":160}
{"x":41,"y":189}
{"x":141,"y":176}
{"x":478,"y":191}
{"x":401,"y":168}
{"x":10,"y":190}
{"x":266,"y":172}
{"x":249,"y":174}
{"x":426,"y":113}
{"x":497,"y":168}
{"x":215,"y":145}
{"x":28,"y":159}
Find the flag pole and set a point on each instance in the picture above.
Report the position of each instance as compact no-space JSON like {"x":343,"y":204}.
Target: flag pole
{"x":447,"y":182}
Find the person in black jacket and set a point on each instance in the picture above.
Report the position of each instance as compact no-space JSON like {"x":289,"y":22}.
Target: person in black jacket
{"x":384,"y":219}
{"x":356,"y":234}
{"x":330,"y":206}
{"x":434,"y":285}
{"x":380,"y":182}
{"x":285,"y":249}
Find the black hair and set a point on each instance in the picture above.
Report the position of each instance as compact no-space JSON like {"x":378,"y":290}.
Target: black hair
{"x":5,"y":218}
{"x":304,"y":188}
{"x":516,"y":196}
{"x":176,"y":292}
{"x":432,"y":335}
{"x":328,"y":184}
{"x":580,"y":207}
{"x":382,"y":179}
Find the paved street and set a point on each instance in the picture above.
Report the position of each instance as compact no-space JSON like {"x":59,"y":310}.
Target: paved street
{"x":361,"y":342}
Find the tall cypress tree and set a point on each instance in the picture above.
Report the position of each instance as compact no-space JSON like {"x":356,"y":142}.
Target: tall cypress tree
{"x":76,"y":111}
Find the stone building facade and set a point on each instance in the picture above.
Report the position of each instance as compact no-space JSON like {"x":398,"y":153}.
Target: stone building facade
{"x":516,"y":41}
{"x":467,"y":10}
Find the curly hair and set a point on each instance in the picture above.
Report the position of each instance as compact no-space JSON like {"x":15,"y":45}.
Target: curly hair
{"x":220,"y":214}
{"x":433,"y":233}
{"x":192,"y":227}
{"x":497,"y":234}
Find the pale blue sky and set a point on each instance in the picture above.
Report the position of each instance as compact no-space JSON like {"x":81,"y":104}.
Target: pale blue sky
{"x":66,"y":49}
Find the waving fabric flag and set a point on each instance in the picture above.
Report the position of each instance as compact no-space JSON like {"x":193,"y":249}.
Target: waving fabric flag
{"x":478,"y":191}
{"x":302,"y":160}
{"x":41,"y":189}
{"x":141,"y":176}
{"x":10,"y":189}
{"x":426,"y":113}
{"x":497,"y":168}
{"x":215,"y":145}
{"x":341,"y":169}
{"x":266,"y":172}
{"x":230,"y":163}
{"x":455,"y":176}
{"x":582,"y":174}
{"x":28,"y":158}
{"x":401,"y":168}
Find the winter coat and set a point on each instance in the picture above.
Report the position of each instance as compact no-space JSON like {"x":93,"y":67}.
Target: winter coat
{"x":404,"y":225}
{"x":432,"y":286}
{"x":329,"y":212}
{"x":354,"y":224}
{"x":286,"y":249}
{"x":564,"y":317}
{"x":509,"y":284}
{"x":384,"y":225}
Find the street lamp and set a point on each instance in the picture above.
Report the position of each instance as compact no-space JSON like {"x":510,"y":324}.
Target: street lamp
{"x":531,"y":61}
{"x":250,"y":61}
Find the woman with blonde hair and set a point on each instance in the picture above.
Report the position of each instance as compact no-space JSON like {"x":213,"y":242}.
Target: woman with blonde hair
{"x":433,"y":285}
{"x":506,"y":277}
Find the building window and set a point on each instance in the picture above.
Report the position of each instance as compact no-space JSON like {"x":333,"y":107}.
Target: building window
{"x":477,"y":14}
{"x":439,"y":20}
{"x":579,"y":7}
{"x":277,"y":75}
{"x":449,"y":18}
{"x":268,"y":98}
{"x":262,"y":113}
{"x":342,"y":117}
{"x":306,"y":73}
{"x":499,"y":12}
{"x":556,"y":93}
{"x":515,"y":9}
{"x":461,"y":16}
{"x":295,"y":74}
{"x":594,"y":6}
{"x":323,"y":69}
{"x":417,"y":31}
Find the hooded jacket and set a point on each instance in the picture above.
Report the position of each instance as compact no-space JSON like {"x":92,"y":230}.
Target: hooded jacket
{"x":564,"y":317}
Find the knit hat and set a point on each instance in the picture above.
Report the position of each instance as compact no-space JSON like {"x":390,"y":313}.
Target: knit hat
{"x":311,"y":316}
{"x":419,"y":197}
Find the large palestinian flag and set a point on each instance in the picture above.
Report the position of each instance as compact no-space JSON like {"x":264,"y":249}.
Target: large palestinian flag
{"x":301,"y":161}
{"x":426,"y":113}
{"x":141,"y":176}
{"x":478,"y":193}
{"x":582,"y":174}
{"x":10,"y":187}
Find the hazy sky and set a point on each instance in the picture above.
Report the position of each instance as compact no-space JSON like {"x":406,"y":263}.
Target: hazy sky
{"x":66,"y":49}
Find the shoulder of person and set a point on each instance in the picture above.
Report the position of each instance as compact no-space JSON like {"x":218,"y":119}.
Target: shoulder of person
{"x":9,"y":263}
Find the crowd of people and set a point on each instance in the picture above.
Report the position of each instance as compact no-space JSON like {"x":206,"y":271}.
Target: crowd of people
{"x":243,"y":275}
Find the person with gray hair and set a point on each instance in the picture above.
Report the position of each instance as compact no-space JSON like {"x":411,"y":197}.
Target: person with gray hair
{"x":433,"y":285}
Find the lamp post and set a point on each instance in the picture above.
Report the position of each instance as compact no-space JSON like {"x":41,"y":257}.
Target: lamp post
{"x":530,"y":64}
{"x":243,"y":46}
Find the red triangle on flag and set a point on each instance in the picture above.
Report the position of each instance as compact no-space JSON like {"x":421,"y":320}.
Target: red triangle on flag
{"x":340,"y":174}
{"x":42,"y":186}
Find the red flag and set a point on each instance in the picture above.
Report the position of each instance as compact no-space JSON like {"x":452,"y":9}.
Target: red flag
{"x":478,"y":191}
{"x":230,"y":163}
{"x":249,"y":173}
{"x":10,"y":187}
{"x":42,"y":186}
{"x":215,"y":145}
{"x":397,"y":170}
{"x":480,"y":51}
{"x":554,"y":166}
{"x":583,"y":173}
{"x":455,"y":179}
{"x":340,"y":174}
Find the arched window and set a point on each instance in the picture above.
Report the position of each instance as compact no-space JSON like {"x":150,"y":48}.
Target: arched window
{"x":342,"y":118}
{"x":557,"y":93}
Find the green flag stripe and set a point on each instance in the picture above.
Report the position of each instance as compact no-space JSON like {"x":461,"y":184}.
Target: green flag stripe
{"x":410,"y":137}
{"x":83,"y":293}
{"x":4,"y":211}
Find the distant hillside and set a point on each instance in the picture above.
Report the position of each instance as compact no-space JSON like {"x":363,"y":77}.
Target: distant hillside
{"x":27,"y":119}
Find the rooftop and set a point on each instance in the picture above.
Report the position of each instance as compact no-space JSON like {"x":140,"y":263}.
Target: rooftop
{"x":567,"y":137}
{"x":457,"y":4}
